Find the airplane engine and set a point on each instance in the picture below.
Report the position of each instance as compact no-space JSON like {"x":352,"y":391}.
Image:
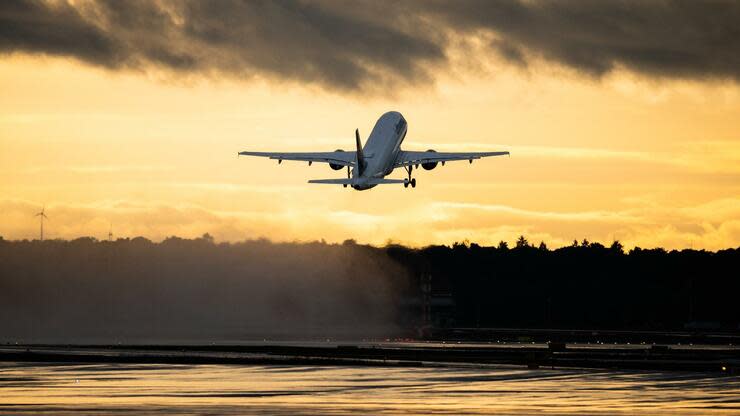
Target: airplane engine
{"x":336,"y":167}
{"x":429,"y":165}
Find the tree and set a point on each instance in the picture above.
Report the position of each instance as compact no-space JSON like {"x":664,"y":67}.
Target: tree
{"x":522,"y":242}
{"x":617,"y":247}
{"x":503,"y":245}
{"x":543,"y":246}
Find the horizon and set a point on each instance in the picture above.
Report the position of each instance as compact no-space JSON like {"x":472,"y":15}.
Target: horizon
{"x":509,"y":245}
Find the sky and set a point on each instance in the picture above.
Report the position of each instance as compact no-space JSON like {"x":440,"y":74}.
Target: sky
{"x":622,"y":119}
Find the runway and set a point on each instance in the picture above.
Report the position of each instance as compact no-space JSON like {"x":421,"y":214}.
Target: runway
{"x":720,"y":359}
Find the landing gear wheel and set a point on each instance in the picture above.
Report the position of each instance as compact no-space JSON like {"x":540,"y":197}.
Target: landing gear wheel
{"x":344,"y":185}
{"x":410,"y":180}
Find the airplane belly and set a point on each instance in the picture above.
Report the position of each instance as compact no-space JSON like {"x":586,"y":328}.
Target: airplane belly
{"x":381,"y":162}
{"x":363,"y":187}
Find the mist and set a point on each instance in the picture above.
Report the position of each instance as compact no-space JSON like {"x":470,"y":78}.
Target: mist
{"x":138,"y":291}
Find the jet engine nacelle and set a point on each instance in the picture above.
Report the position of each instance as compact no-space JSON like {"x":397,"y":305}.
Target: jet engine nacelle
{"x":335,"y":166}
{"x":429,"y":165}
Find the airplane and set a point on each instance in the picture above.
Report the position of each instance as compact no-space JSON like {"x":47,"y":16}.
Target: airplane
{"x":369,"y":165}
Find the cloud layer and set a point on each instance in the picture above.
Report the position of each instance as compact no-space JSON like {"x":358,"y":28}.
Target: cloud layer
{"x":371,"y":45}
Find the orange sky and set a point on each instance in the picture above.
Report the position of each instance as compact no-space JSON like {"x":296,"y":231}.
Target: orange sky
{"x":651,"y":163}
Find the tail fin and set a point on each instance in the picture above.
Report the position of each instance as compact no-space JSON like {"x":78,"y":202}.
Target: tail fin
{"x":360,"y":157}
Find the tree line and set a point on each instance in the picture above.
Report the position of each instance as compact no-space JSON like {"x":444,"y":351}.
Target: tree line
{"x":184,"y":288}
{"x":585,"y":285}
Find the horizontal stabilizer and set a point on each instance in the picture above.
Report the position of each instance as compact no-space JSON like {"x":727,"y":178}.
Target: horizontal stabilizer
{"x":332,"y":181}
{"x":353,"y":181}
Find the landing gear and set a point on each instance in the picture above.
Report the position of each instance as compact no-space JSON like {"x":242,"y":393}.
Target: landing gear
{"x":410,"y":180}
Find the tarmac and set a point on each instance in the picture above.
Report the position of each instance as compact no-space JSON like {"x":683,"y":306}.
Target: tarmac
{"x":700,"y":358}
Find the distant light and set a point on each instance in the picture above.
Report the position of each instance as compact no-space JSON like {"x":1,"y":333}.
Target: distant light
{"x":724,"y":368}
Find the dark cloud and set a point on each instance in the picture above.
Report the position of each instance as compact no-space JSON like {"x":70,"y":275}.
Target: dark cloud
{"x":340,"y":46}
{"x":694,"y":39}
{"x":35,"y":27}
{"x":366,"y":45}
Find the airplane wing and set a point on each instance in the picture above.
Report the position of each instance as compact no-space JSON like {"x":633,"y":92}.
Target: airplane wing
{"x":415,"y":158}
{"x":335,"y":158}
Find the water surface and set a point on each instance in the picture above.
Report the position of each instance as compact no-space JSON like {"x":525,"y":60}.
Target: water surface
{"x":231,"y":389}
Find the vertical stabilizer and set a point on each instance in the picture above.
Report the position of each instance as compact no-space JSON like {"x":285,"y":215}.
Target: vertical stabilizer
{"x":360,"y":157}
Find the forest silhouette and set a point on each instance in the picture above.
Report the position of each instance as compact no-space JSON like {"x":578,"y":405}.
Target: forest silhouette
{"x":583,"y":286}
{"x":136,"y":290}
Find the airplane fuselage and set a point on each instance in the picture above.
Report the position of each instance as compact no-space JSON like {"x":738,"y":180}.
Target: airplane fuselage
{"x":381,"y":149}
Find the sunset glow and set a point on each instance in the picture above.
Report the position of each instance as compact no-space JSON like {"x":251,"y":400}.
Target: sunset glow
{"x":650,"y":161}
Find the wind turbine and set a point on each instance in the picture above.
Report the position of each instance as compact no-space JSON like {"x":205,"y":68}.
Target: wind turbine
{"x":41,"y":216}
